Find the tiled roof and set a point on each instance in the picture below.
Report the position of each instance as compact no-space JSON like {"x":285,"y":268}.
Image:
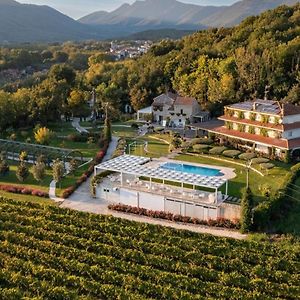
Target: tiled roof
{"x":163,"y":99}
{"x":184,"y":101}
{"x":290,"y":110}
{"x":281,"y":143}
{"x":253,"y":123}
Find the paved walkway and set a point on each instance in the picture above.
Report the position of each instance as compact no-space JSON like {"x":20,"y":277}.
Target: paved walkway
{"x":82,"y":199}
{"x":76,"y":125}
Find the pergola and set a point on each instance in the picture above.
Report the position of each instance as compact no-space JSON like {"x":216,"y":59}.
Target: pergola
{"x":14,"y":148}
{"x":137,"y":166}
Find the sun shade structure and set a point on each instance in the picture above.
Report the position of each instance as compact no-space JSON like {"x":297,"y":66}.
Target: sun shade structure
{"x":137,"y":166}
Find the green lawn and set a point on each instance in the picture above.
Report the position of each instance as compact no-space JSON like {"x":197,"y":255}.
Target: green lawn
{"x":156,"y":148}
{"x":28,"y":198}
{"x":291,"y":222}
{"x":30,"y":182}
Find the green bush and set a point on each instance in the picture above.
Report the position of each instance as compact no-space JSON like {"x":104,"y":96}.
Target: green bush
{"x":231,"y":153}
{"x":247,"y":156}
{"x":260,"y":160}
{"x":217,"y":150}
{"x":201,"y":148}
{"x":267,"y":166}
{"x":205,"y":141}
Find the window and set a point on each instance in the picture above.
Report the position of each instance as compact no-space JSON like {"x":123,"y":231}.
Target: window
{"x":181,"y":111}
{"x":179,"y":120}
{"x":290,"y":133}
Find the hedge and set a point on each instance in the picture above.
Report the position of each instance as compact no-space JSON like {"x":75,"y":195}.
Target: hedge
{"x":259,"y":160}
{"x":201,"y":148}
{"x":220,"y":222}
{"x":23,"y":190}
{"x":247,"y":156}
{"x":267,"y":166}
{"x":205,"y":141}
{"x":217,"y":150}
{"x":231,"y":153}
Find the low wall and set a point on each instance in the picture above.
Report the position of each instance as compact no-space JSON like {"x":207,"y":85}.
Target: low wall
{"x":230,"y":211}
{"x":151,"y":201}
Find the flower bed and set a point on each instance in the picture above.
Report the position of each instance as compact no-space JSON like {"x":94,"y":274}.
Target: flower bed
{"x":220,"y":222}
{"x":23,"y":190}
{"x":84,"y":177}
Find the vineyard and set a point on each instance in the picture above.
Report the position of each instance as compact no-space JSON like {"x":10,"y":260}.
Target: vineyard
{"x":51,"y":253}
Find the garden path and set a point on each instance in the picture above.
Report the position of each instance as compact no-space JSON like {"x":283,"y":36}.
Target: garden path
{"x":81,"y":199}
{"x":76,"y":125}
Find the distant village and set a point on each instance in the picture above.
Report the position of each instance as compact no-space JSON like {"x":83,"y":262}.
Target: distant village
{"x":129,"y":50}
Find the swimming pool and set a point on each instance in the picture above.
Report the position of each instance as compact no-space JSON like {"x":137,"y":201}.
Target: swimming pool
{"x":203,"y":171}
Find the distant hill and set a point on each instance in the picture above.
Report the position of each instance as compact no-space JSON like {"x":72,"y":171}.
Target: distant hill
{"x":28,"y":23}
{"x":33,"y":23}
{"x":158,"y":34}
{"x":175,"y":14}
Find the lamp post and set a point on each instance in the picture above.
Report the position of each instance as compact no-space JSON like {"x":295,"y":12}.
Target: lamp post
{"x":248,"y":166}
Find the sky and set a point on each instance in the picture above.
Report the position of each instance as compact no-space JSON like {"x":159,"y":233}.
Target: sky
{"x":80,"y":8}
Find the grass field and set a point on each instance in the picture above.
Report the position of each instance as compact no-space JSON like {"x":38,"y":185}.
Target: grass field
{"x":30,"y":182}
{"x":52,"y":253}
{"x":291,"y":222}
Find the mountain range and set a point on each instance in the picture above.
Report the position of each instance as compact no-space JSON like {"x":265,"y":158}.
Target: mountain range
{"x":166,"y":13}
{"x":34,"y":23}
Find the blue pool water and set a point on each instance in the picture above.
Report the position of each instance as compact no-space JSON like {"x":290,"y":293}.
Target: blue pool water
{"x":191,"y":169}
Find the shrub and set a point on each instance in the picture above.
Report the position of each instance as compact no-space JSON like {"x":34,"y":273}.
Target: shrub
{"x":79,"y":138}
{"x":260,"y":160}
{"x":43,"y":136}
{"x":267,"y":166}
{"x":247,"y":156}
{"x":217,"y":150}
{"x":23,"y":190}
{"x":201,"y":148}
{"x":206,"y":141}
{"x":231,"y":153}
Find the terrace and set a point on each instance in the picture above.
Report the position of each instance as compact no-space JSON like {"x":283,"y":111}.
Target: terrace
{"x":147,"y":175}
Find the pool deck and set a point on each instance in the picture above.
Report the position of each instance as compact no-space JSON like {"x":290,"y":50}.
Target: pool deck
{"x":229,"y":173}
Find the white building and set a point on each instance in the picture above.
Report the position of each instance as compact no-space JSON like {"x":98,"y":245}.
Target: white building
{"x":264,"y":125}
{"x":151,"y":184}
{"x":172,"y":110}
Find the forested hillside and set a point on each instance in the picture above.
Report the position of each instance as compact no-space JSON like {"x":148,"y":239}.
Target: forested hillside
{"x":217,"y":66}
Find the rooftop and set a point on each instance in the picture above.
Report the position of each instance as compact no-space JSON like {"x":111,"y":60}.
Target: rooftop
{"x":268,"y":107}
{"x":184,"y":101}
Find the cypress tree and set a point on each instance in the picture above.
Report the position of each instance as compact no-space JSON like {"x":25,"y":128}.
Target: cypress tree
{"x":246,"y":214}
{"x":107,"y":130}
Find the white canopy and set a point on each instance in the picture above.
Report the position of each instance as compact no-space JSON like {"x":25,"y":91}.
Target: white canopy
{"x":135,"y":165}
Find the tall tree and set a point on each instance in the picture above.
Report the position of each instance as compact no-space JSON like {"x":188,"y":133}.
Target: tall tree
{"x":247,"y":213}
{"x":58,"y":171}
